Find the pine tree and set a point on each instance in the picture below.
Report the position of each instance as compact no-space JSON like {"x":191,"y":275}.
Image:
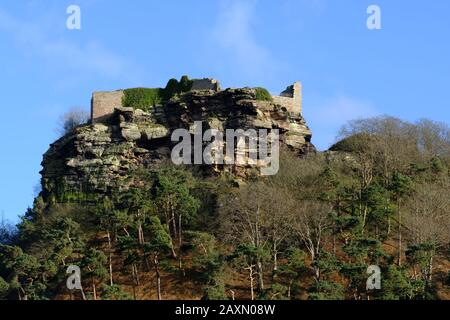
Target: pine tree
{"x":94,"y":262}
{"x":157,"y":247}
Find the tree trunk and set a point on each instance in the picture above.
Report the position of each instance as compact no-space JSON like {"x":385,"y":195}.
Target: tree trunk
{"x":158,"y":277}
{"x":174,"y":220}
{"x":180,"y":243}
{"x":260,"y":275}
{"x":134,"y":291}
{"x":168,"y":220}
{"x":251,"y":282}
{"x":399,"y":233}
{"x":135,"y":280}
{"x":334,"y":241}
{"x":135,"y":274}
{"x":430,"y":269}
{"x":111,"y":283}
{"x":94,"y":289}
{"x":389,"y":226}
{"x":82,"y":294}
{"x":289,"y":289}
{"x":275,"y":257}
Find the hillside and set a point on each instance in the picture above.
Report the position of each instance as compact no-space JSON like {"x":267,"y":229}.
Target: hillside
{"x":140,"y":227}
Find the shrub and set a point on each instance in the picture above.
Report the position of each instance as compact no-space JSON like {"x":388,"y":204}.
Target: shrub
{"x":185,"y":84}
{"x":114,"y":292}
{"x":263,"y":94}
{"x":142,"y":98}
{"x":215,"y":292}
{"x":171,"y":89}
{"x":4,"y":288}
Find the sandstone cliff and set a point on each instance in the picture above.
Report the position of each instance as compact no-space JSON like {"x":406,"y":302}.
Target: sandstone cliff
{"x":97,"y":157}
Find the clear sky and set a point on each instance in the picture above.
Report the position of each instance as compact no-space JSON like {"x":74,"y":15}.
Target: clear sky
{"x":347,"y":71}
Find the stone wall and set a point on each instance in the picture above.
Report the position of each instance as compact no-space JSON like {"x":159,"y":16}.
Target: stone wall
{"x":103,"y":104}
{"x":291,"y":98}
{"x":205,"y":84}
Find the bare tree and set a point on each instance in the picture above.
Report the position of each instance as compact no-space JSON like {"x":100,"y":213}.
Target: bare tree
{"x":73,"y":118}
{"x":428,"y":218}
{"x":433,"y":138}
{"x":389,"y":142}
{"x":312,"y":220}
{"x":257,"y":216}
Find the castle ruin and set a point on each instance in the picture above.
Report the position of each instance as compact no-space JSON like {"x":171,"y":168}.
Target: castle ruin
{"x":103,"y":103}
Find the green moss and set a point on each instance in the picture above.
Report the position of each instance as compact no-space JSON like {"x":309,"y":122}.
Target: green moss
{"x":77,"y":197}
{"x":263,"y":95}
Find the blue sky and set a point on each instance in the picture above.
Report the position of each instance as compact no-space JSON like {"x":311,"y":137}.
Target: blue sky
{"x":347,"y":71}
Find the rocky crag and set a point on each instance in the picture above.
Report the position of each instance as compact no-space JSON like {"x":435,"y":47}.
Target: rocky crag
{"x":98,"y":157}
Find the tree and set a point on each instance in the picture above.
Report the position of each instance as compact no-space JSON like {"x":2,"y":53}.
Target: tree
{"x":106,"y":220}
{"x":206,"y":259}
{"x":242,"y":220}
{"x":420,"y":257}
{"x":312,"y":220}
{"x":94,"y":262}
{"x":157,"y":247}
{"x":294,"y":268}
{"x":21,"y":270}
{"x":4,"y":288}
{"x":64,"y":238}
{"x":428,"y":224}
{"x":246,"y":256}
{"x":378,"y":209}
{"x":433,"y":138}
{"x":362,"y":251}
{"x":215,"y":291}
{"x":129,"y":247}
{"x":114,"y":292}
{"x":400,"y":186}
{"x":7,"y":232}
{"x":327,"y":290}
{"x":72,"y":119}
{"x":139,"y":204}
{"x":176,"y":202}
{"x":396,"y":284}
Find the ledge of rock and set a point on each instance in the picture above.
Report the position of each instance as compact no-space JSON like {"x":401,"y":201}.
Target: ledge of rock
{"x":99,"y":156}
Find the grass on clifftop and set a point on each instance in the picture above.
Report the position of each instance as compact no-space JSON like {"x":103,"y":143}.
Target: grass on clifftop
{"x":144,"y":98}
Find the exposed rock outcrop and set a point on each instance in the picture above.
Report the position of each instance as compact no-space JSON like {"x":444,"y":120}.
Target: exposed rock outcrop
{"x":98,"y":157}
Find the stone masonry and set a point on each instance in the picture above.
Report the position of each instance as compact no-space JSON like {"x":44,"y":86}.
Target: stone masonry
{"x":291,"y":98}
{"x":205,"y":84}
{"x":103,"y":103}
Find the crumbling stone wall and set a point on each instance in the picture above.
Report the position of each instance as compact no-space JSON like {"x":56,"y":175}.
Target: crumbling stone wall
{"x":103,"y":104}
{"x":205,"y":84}
{"x":291,"y":98}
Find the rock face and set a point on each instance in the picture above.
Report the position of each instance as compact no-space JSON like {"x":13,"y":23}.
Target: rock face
{"x":98,"y":157}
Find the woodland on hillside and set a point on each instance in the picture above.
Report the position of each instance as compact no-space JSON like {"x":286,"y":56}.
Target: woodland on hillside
{"x":379,"y":196}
